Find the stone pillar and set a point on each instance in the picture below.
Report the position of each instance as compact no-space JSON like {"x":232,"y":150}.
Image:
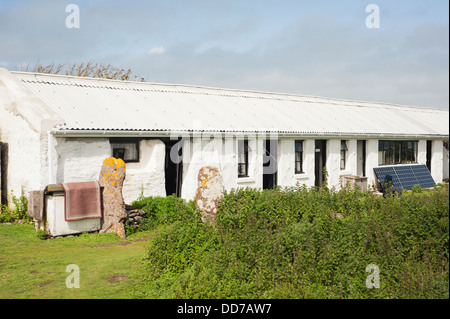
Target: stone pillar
{"x":111,"y":178}
{"x":209,"y":191}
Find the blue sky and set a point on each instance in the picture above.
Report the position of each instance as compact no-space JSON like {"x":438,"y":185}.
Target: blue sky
{"x":306,"y":47}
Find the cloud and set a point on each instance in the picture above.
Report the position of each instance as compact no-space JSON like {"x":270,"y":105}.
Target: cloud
{"x":157,"y":50}
{"x":313,"y":49}
{"x":321,"y":58}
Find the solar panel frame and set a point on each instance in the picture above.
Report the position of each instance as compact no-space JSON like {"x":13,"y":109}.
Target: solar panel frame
{"x":405,"y":176}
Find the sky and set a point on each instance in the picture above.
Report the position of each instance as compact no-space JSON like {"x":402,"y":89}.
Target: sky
{"x":315,"y":48}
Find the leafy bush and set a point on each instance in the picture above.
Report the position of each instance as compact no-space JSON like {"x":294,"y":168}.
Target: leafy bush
{"x":304,"y":243}
{"x":164,"y":210}
{"x":416,"y":188}
{"x":19,"y":210}
{"x":5,"y":214}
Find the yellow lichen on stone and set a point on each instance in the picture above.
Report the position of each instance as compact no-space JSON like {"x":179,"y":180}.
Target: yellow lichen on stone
{"x":110,"y":161}
{"x":111,"y":177}
{"x":120,"y":163}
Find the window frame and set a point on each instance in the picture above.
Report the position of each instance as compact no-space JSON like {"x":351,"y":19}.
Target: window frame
{"x":133,"y":141}
{"x":243,"y":149}
{"x":343,"y":155}
{"x":397,"y":152}
{"x":300,"y":160}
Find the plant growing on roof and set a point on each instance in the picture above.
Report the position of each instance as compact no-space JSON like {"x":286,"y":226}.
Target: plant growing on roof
{"x":88,"y":69}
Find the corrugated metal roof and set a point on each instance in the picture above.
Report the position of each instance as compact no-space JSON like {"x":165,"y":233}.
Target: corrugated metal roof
{"x":99,"y":104}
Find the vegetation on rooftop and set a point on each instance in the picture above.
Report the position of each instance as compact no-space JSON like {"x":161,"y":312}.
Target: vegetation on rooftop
{"x":84,"y":69}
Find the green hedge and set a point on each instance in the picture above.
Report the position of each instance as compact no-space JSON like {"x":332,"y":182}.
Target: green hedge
{"x":164,"y":210}
{"x":284,"y":243}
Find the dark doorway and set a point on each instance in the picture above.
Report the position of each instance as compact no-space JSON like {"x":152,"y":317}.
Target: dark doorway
{"x":1,"y":187}
{"x":173,"y":167}
{"x":3,"y":173}
{"x":320,"y":160}
{"x":429,"y":153}
{"x":270,"y":164}
{"x":361,"y":163}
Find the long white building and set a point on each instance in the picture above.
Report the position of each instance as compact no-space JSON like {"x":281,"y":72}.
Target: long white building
{"x":56,"y":129}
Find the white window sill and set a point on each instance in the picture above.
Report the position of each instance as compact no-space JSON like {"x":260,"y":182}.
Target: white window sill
{"x":243,"y":180}
{"x":301,"y":176}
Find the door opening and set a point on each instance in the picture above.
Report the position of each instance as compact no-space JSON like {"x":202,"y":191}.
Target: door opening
{"x":429,"y":153}
{"x":361,"y":163}
{"x":270,"y":164}
{"x":3,"y":173}
{"x":320,"y":160}
{"x":1,"y":184}
{"x":173,"y":167}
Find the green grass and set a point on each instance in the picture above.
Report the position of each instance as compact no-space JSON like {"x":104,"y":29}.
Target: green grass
{"x":265,"y":244}
{"x":35,"y":268}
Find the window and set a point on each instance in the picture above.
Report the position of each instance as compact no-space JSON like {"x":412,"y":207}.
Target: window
{"x":119,"y":152}
{"x":125,"y":149}
{"x":243,"y":158}
{"x":344,"y":150}
{"x":397,"y":152}
{"x":298,"y":157}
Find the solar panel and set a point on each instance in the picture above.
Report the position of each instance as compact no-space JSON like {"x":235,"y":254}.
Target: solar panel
{"x":405,"y":176}
{"x":423,"y":175}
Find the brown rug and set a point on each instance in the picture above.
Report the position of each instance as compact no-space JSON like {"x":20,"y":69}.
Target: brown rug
{"x":82,"y":200}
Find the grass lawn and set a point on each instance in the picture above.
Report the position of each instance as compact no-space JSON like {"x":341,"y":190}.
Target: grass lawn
{"x":35,"y":268}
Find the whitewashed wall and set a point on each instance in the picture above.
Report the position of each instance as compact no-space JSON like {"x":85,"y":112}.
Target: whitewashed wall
{"x":286,"y":163}
{"x":422,"y":152}
{"x":80,"y":159}
{"x":24,"y":165}
{"x":445,"y":173}
{"x":255,"y":167}
{"x":194,"y":159}
{"x":437,"y":161}
{"x":146,"y":176}
{"x":227,"y":163}
{"x":24,"y":121}
{"x":335,"y":174}
{"x":221,"y":152}
{"x":35,"y":161}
